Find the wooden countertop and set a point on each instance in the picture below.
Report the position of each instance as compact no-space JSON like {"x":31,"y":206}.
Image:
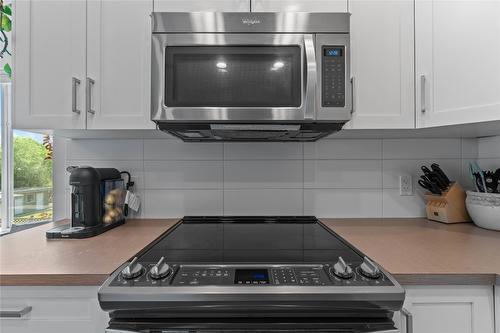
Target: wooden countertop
{"x":415,"y":251}
{"x":418,"y":251}
{"x":28,"y":258}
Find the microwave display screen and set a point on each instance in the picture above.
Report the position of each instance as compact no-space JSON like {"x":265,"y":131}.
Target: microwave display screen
{"x":333,"y":52}
{"x":233,"y":76}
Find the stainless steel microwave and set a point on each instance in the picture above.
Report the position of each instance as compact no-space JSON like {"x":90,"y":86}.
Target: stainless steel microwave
{"x":250,"y":76}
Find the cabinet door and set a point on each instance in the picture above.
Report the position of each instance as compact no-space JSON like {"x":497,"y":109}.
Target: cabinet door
{"x":451,"y":309}
{"x":49,"y":58}
{"x":118,"y":62}
{"x":497,"y":309}
{"x":53,"y":309}
{"x":457,"y":61}
{"x":382,"y":66}
{"x":205,"y":5}
{"x":299,"y":5}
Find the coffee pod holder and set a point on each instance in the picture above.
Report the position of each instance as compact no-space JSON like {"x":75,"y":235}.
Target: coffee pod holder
{"x":449,"y":207}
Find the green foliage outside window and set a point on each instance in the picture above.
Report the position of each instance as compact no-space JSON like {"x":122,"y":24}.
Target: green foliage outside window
{"x":31,"y":168}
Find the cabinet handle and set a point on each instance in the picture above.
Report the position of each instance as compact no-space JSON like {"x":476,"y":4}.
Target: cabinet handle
{"x":90,"y":83}
{"x":16,"y":314}
{"x":74,"y":86}
{"x":408,"y":320}
{"x":422,"y":93}
{"x":352,"y":95}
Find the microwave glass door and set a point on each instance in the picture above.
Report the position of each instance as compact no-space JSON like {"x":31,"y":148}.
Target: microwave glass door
{"x":233,"y":76}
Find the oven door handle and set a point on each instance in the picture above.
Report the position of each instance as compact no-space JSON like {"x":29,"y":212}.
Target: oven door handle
{"x":311,"y":77}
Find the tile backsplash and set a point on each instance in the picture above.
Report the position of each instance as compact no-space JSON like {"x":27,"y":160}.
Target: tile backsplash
{"x":489,"y":152}
{"x":329,"y":178}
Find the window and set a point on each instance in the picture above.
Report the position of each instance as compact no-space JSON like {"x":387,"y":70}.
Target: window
{"x":26,"y":158}
{"x":26,"y":174}
{"x":32,"y":178}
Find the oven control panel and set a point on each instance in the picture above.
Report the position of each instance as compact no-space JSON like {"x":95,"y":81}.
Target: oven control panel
{"x":249,"y":275}
{"x":333,"y":69}
{"x":310,"y":275}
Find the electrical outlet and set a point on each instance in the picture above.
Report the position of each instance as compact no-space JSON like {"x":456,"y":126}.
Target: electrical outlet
{"x":405,"y":185}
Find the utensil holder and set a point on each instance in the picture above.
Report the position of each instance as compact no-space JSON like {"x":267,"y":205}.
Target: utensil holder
{"x":449,"y":207}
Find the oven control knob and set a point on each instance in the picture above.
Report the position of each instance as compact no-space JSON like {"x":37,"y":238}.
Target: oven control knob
{"x":133,"y":270}
{"x":160,"y":270}
{"x":342,"y":270}
{"x":369,"y":269}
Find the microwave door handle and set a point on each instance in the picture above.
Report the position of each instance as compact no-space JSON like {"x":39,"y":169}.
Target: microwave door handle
{"x":311,"y":75}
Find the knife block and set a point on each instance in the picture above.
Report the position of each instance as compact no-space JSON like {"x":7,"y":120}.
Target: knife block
{"x":449,"y":207}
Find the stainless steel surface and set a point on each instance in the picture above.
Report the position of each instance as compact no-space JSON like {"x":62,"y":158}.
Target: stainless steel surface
{"x":408,"y":320}
{"x":90,"y":83}
{"x":422,"y":93}
{"x":218,"y":22}
{"x":309,"y":31}
{"x":74,"y":85}
{"x":333,"y":113}
{"x":342,"y":269}
{"x":162,"y":112}
{"x":352,"y":95}
{"x":254,"y":127}
{"x":241,"y":285}
{"x":194,"y":331}
{"x":132,"y":270}
{"x":250,"y":293}
{"x":160,"y":270}
{"x":310,"y":92}
{"x":15,"y":313}
{"x":370,"y":269}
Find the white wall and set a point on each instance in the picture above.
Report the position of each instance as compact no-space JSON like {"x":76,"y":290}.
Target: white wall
{"x":329,"y":178}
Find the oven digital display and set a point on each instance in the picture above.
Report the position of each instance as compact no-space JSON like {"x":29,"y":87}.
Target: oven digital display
{"x":333,"y":52}
{"x":251,"y":276}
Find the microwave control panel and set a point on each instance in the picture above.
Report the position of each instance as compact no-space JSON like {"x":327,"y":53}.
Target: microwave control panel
{"x":333,"y":69}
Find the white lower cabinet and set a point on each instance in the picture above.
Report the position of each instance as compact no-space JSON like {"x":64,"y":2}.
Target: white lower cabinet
{"x":434,"y":309}
{"x":497,"y":309}
{"x":53,"y":309}
{"x":450,"y":309}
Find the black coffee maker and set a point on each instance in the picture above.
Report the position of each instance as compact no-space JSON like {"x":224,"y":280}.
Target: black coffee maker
{"x":97,"y":202}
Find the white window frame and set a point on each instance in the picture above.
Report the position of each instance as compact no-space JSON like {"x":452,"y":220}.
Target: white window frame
{"x":7,"y":213}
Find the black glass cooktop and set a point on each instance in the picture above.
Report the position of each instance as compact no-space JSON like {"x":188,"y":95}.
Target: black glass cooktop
{"x":242,"y":240}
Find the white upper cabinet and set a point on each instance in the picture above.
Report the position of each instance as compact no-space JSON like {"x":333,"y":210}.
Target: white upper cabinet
{"x":299,"y":5}
{"x":200,"y":6}
{"x":49,"y":64}
{"x":118,"y":64}
{"x":457,"y":61}
{"x":382,"y":64}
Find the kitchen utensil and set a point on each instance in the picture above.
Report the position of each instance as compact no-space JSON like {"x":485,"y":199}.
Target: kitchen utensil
{"x":440,"y":181}
{"x":477,"y":176}
{"x":484,"y":209}
{"x":439,"y":172}
{"x":430,"y":186}
{"x":492,"y":179}
{"x":497,"y":179}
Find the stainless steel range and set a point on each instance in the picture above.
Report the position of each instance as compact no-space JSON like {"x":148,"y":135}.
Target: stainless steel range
{"x":246,"y":274}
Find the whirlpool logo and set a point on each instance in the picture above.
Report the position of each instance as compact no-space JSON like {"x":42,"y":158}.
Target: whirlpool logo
{"x":250,"y":21}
